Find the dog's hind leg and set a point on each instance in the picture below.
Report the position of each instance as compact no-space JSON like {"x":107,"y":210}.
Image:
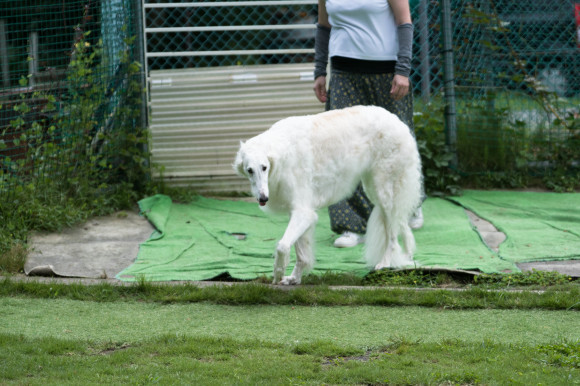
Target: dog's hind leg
{"x":388,"y":220}
{"x":408,"y":240}
{"x":300,"y":229}
{"x":382,"y":245}
{"x":394,"y":256}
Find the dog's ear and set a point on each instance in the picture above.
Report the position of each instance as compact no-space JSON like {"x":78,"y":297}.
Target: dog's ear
{"x":271,"y":162}
{"x":238,"y":164}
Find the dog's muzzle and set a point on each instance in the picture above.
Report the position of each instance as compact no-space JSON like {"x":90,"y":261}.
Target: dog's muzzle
{"x":263,"y":200}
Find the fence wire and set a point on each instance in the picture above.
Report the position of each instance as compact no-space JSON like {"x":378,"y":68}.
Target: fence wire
{"x":517,"y":77}
{"x":516,"y":65}
{"x":65,"y":93}
{"x":63,"y":69}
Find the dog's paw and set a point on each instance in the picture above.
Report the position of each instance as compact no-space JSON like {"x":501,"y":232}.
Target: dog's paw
{"x":382,"y":265}
{"x":403,"y":261}
{"x":289,"y":280}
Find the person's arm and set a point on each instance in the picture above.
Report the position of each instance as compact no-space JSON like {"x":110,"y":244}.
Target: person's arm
{"x":322,"y":15}
{"x":402,"y":13}
{"x":321,"y":52}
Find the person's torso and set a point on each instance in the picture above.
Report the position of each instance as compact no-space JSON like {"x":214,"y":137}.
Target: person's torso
{"x":362,"y":29}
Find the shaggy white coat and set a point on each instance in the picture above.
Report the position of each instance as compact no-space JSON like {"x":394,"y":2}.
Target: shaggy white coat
{"x":305,"y":163}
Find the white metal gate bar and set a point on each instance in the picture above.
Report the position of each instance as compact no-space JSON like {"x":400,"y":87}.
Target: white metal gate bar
{"x":228,"y":4}
{"x":231,"y":28}
{"x":188,"y":53}
{"x":232,"y":52}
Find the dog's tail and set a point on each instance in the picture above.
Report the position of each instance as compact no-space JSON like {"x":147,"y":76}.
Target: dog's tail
{"x":376,"y":238}
{"x":382,"y":248}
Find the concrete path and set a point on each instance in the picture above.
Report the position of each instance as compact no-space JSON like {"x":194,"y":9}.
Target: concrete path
{"x":98,"y":249}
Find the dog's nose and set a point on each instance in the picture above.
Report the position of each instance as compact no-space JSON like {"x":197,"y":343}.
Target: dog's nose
{"x":263,"y":200}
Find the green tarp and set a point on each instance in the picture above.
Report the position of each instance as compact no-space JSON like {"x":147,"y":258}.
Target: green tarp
{"x":538,"y":226}
{"x":209,"y":237}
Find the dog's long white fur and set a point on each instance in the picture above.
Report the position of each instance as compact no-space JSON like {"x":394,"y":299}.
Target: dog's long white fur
{"x":305,"y":163}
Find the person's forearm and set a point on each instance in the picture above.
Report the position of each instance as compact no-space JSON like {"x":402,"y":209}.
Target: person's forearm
{"x":321,"y":50}
{"x":405,"y":53}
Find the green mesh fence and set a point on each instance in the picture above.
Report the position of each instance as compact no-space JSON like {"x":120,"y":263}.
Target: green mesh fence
{"x":516,"y":66}
{"x":517,"y":77}
{"x":69,"y":93}
{"x":516,"y":74}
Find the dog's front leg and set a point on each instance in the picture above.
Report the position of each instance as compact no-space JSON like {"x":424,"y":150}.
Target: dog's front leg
{"x":300,"y":222}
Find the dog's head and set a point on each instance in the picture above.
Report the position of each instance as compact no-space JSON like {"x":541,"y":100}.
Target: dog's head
{"x":255,"y":165}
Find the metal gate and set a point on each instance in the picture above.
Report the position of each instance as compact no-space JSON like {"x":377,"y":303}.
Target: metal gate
{"x":219,"y":73}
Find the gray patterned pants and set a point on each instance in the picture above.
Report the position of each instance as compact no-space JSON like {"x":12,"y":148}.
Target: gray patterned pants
{"x":348,"y":89}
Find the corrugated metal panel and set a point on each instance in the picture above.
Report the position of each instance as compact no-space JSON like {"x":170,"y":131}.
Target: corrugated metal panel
{"x":199,"y":116}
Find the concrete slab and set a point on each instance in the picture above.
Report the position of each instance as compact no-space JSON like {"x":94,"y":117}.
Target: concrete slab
{"x":100,"y":248}
{"x":566,"y":267}
{"x":488,"y":232}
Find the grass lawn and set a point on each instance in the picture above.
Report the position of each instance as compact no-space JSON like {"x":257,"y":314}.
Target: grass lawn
{"x":360,"y":326}
{"x":191,"y":359}
{"x":148,"y":334}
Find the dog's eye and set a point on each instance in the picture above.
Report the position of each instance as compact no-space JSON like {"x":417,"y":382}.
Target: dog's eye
{"x":250,"y":171}
{"x":264,"y":168}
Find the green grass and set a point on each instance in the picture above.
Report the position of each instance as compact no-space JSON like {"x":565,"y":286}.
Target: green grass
{"x":14,"y":258}
{"x":248,"y":333}
{"x":187,"y":359}
{"x":357,"y":326}
{"x":563,"y":297}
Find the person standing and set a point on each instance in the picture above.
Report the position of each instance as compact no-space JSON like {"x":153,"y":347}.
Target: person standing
{"x":369,"y":43}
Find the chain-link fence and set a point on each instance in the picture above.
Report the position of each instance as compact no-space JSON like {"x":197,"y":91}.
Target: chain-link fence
{"x":517,"y":85}
{"x":69,"y":93}
{"x":516,"y":64}
{"x":187,"y":34}
{"x":65,"y":74}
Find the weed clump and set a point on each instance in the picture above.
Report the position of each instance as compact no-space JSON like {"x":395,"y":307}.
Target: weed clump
{"x":531,"y":278}
{"x":13,"y":260}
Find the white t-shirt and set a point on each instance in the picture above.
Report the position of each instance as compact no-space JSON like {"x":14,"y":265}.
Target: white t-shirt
{"x":362,"y":29}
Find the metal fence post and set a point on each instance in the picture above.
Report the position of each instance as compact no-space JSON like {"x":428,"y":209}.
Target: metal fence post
{"x":141,"y":58}
{"x":5,"y":68}
{"x":424,"y":51}
{"x":33,"y":58}
{"x":448,"y":78}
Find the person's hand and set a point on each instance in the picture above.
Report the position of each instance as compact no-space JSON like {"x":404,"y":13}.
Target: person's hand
{"x":320,"y":88}
{"x":400,"y":87}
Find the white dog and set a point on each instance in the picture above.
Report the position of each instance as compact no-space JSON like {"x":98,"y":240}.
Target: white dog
{"x":305,"y":163}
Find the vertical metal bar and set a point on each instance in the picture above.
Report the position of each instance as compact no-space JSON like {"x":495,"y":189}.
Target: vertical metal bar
{"x":448,"y":78}
{"x":424,"y":51}
{"x":141,"y":47}
{"x":33,"y":58}
{"x":5,"y":67}
{"x":486,"y":54}
{"x":143,"y":35}
{"x":140,"y":25}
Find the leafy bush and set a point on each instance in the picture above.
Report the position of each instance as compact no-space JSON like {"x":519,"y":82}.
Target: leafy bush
{"x":440,"y":178}
{"x":534,"y":277}
{"x":82,"y":152}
